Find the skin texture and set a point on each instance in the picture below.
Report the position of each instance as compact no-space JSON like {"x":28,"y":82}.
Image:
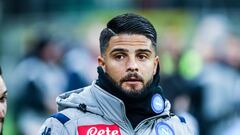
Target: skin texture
{"x":3,"y":102}
{"x":130,"y":60}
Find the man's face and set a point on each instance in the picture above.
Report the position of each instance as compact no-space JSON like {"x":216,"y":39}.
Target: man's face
{"x":3,"y":102}
{"x":130,"y":61}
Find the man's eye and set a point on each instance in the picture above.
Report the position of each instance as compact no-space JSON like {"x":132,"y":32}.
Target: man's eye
{"x":142,"y":57}
{"x":119,"y":57}
{"x":3,"y":99}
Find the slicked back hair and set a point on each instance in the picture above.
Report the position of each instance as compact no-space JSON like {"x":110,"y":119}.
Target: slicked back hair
{"x":127,"y":24}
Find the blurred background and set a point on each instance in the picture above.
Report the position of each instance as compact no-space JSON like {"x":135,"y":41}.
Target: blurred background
{"x":49,"y":46}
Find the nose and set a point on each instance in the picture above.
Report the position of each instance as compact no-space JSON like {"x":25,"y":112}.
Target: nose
{"x":132,"y":65}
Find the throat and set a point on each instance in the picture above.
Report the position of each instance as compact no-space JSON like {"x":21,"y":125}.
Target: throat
{"x":138,"y":111}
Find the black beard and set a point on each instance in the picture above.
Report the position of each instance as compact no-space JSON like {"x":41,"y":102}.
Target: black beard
{"x":107,"y":83}
{"x":133,"y":93}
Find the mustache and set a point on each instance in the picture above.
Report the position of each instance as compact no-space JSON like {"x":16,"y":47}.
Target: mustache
{"x":132,"y":76}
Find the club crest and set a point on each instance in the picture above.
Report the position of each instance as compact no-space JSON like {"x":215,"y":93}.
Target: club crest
{"x":157,"y":103}
{"x":164,"y":129}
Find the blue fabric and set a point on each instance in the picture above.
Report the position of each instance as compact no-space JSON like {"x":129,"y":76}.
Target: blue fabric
{"x":60,"y":117}
{"x":182,"y":119}
{"x":47,"y":131}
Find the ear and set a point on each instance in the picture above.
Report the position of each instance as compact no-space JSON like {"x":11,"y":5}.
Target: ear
{"x":101,"y":62}
{"x":156,"y":62}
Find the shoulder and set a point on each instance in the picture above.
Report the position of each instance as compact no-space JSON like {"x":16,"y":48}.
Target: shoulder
{"x":59,"y":123}
{"x":54,"y":125}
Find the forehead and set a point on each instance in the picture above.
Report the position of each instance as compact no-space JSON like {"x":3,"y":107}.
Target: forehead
{"x":129,"y":41}
{"x":2,"y":85}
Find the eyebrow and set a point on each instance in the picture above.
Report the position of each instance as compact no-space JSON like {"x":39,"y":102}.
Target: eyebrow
{"x":118,"y":50}
{"x":144,"y":50}
{"x":125,"y":50}
{"x":4,"y":93}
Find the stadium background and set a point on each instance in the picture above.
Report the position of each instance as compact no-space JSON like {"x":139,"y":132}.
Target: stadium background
{"x":199,"y":45}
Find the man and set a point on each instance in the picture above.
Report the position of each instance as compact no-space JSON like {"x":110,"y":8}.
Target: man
{"x":3,"y":101}
{"x":126,"y":99}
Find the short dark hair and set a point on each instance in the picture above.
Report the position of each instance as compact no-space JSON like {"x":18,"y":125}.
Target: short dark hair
{"x":127,"y":24}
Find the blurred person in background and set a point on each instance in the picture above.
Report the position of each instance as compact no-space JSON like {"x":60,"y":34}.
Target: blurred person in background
{"x":219,"y":76}
{"x":229,"y":121}
{"x":76,"y":60}
{"x":3,"y":101}
{"x":81,"y":56}
{"x":39,"y":79}
{"x":126,"y":98}
{"x":81,"y":52}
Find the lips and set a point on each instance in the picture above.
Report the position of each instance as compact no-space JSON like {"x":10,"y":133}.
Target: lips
{"x":132,"y":82}
{"x":132,"y":78}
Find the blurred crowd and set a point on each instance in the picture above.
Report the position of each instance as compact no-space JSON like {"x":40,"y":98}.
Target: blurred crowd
{"x":203,"y":80}
{"x":46,"y":71}
{"x":200,"y":74}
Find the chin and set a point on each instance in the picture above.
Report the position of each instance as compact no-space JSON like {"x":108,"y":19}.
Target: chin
{"x":136,"y":90}
{"x":132,"y":90}
{"x":132,"y":87}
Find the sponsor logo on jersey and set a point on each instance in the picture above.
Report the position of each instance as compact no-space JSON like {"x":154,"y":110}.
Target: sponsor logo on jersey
{"x":99,"y":129}
{"x":164,"y":129}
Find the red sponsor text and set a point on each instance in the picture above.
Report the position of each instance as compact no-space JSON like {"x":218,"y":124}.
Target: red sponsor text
{"x":99,"y":129}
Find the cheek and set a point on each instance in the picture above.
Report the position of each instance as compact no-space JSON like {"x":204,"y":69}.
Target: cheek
{"x":115,"y":70}
{"x":147,"y":70}
{"x":3,"y":108}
